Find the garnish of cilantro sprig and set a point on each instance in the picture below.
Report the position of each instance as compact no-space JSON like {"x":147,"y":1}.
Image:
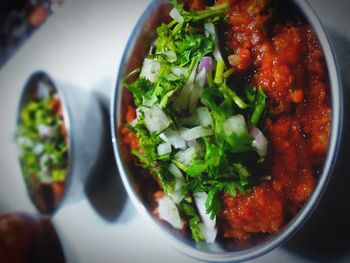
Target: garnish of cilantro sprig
{"x":196,"y":135}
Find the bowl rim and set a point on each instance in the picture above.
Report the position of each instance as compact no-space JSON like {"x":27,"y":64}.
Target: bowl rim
{"x":309,"y":206}
{"x":35,"y":76}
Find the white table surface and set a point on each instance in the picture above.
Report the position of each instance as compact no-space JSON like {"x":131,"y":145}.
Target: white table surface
{"x":81,"y":44}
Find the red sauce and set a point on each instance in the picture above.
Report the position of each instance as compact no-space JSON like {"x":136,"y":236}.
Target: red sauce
{"x":290,"y":68}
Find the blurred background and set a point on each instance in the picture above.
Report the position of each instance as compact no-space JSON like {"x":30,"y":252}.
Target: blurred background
{"x":19,"y":19}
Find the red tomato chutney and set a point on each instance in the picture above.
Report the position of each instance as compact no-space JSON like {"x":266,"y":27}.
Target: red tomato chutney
{"x":289,"y":65}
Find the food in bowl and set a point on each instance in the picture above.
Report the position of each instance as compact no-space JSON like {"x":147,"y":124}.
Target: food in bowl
{"x":41,"y":138}
{"x":231,"y":116}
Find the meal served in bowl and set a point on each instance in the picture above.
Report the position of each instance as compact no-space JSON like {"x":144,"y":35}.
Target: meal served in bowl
{"x":43,"y":145}
{"x":226,"y":134}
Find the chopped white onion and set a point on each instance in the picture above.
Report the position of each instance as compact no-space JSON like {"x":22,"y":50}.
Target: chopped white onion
{"x":148,"y":102}
{"x":150,"y":69}
{"x":24,"y":141}
{"x":217,"y":55}
{"x":181,"y":101}
{"x":235,"y":124}
{"x":175,"y":14}
{"x":204,"y":117}
{"x":200,"y":198}
{"x":192,"y":77}
{"x":201,"y":78}
{"x":208,"y":225}
{"x":38,"y":148}
{"x":177,"y":194}
{"x":133,"y":122}
{"x":175,"y":171}
{"x":197,"y":148}
{"x":43,"y":90}
{"x":178,"y":71}
{"x":168,"y":212}
{"x":43,"y":162}
{"x":197,"y":90}
{"x":186,"y":156}
{"x":46,"y":131}
{"x":170,"y":55}
{"x":208,"y":233}
{"x":211,"y":30}
{"x":164,"y":148}
{"x":260,"y":142}
{"x":201,"y":117}
{"x":155,"y":119}
{"x":196,"y":132}
{"x":174,"y":138}
{"x":195,"y":95}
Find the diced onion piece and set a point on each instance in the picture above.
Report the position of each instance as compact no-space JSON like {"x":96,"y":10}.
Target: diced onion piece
{"x":201,"y":78}
{"x":192,"y":77}
{"x":211,"y":30}
{"x":181,"y":101}
{"x":170,"y":55}
{"x":163,"y":137}
{"x":24,"y":141}
{"x":186,"y":156}
{"x":200,"y":198}
{"x":235,"y":124}
{"x":178,"y":71}
{"x":208,"y":225}
{"x":38,"y":148}
{"x":43,"y":90}
{"x":175,"y":171}
{"x":201,"y":117}
{"x":260,"y":142}
{"x":175,"y":14}
{"x":174,"y":138}
{"x":195,"y":95}
{"x":208,"y":233}
{"x":197,"y":147}
{"x":155,"y":119}
{"x":150,"y":69}
{"x":204,"y":117}
{"x":197,"y":90}
{"x":133,"y":122}
{"x":206,"y":63}
{"x":177,"y":194}
{"x":196,"y":132}
{"x":164,"y":148}
{"x":217,"y":55}
{"x":168,"y":212}
{"x":46,"y":131}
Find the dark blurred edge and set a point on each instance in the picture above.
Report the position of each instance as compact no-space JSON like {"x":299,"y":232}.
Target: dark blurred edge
{"x":19,"y":19}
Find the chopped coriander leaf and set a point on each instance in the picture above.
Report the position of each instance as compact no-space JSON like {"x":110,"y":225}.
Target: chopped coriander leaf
{"x":259,"y":107}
